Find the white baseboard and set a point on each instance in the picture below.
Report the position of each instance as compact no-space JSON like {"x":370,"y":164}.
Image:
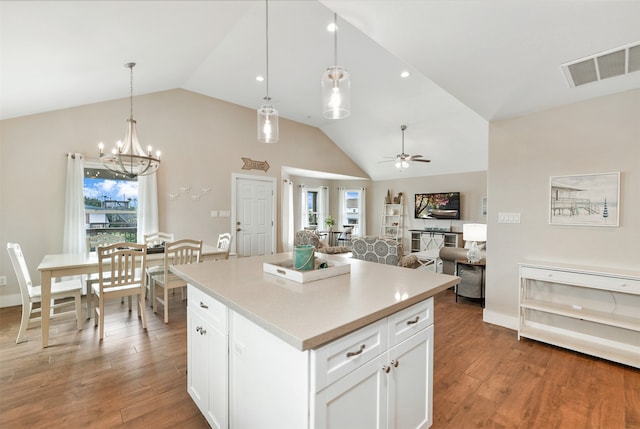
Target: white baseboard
{"x":10,"y":300}
{"x":500,"y":319}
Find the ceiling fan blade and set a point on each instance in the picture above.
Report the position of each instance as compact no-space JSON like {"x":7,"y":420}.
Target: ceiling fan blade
{"x":388,"y":160}
{"x":416,"y":156}
{"x":421,"y":160}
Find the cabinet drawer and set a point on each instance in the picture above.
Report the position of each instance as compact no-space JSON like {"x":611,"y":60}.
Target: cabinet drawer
{"x":345,"y":354}
{"x":212,"y":310}
{"x":591,"y":280}
{"x":407,"y":322}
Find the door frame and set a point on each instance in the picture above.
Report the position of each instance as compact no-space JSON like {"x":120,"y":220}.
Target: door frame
{"x":274,"y":210}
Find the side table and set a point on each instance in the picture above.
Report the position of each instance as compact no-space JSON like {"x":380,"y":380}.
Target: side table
{"x":472,"y":276}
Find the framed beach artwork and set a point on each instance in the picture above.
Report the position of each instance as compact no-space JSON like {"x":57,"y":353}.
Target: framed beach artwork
{"x":585,"y":199}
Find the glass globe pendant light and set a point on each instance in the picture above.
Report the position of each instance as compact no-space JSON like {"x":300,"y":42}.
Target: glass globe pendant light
{"x":336,"y":86}
{"x":267,"y":114}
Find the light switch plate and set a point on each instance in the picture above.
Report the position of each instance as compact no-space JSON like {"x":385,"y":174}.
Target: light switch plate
{"x":508,"y":217}
{"x":3,"y":280}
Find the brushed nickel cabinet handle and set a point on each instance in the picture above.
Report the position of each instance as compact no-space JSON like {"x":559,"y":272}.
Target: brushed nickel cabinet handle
{"x":203,"y":305}
{"x":356,"y":353}
{"x":386,"y":369}
{"x":414,"y":321}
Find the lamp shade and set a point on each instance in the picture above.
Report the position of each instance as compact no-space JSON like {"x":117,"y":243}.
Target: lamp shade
{"x":474,"y":232}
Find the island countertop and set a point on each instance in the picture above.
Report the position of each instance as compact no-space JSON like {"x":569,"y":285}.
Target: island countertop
{"x":308,"y":315}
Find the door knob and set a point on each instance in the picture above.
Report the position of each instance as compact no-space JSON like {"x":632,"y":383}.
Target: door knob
{"x":238,"y":229}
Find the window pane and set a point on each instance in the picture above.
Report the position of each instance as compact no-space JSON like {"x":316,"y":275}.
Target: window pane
{"x":111,"y":204}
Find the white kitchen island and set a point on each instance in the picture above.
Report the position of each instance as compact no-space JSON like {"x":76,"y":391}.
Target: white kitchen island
{"x":351,"y":351}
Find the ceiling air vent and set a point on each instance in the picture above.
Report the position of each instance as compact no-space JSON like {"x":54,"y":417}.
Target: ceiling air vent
{"x":612,"y":63}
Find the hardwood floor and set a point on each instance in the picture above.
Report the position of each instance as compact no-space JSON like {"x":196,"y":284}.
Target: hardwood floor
{"x":483,"y":376}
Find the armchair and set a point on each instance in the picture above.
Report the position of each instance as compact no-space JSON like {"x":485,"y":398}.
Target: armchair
{"x":383,"y":251}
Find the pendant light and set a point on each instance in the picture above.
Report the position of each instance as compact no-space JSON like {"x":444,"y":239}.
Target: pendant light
{"x":336,"y":86}
{"x":267,"y":114}
{"x":128,"y":158}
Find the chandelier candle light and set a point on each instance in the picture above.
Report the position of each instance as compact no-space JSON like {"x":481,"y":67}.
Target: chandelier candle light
{"x":128,"y":158}
{"x":267,"y":114}
{"x":336,"y":86}
{"x":474,"y":232}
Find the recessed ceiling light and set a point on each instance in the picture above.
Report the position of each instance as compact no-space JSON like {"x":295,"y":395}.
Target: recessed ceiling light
{"x":259,"y":78}
{"x":405,"y":74}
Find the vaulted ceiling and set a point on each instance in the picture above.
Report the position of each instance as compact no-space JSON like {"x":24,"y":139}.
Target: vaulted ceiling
{"x":471,"y":61}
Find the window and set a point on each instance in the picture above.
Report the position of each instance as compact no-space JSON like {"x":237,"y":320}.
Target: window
{"x":111,"y":203}
{"x":352,"y":209}
{"x":312,"y":208}
{"x":315,"y":202}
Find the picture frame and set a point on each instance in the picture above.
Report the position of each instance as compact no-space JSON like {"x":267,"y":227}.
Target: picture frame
{"x":585,"y":199}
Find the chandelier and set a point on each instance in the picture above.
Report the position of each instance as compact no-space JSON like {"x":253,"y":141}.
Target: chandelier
{"x":336,"y":86}
{"x":267,"y":114}
{"x":128,"y":158}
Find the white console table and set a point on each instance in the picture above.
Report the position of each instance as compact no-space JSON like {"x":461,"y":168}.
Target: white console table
{"x":589,"y":310}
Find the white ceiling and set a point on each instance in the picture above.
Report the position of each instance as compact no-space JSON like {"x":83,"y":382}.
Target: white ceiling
{"x":471,"y":61}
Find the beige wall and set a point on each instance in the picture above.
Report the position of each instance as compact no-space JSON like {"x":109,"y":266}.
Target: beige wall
{"x":472,"y":188}
{"x":202,"y":141}
{"x":596,"y":136}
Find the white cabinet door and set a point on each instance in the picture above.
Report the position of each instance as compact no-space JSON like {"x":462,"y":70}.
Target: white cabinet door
{"x":432,"y":241}
{"x":410,"y":382}
{"x":197,"y":353}
{"x":357,"y":400}
{"x":207,"y":369}
{"x":217,"y":408}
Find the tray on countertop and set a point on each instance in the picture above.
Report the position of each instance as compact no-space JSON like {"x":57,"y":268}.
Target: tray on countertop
{"x":285,"y":270}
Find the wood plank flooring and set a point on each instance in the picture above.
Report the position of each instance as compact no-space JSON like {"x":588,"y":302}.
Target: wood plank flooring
{"x":483,"y":376}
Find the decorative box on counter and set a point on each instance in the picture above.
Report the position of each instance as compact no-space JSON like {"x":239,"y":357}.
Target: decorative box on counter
{"x":285,"y":270}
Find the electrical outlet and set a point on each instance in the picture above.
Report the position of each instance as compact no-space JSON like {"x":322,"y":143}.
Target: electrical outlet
{"x":3,"y":280}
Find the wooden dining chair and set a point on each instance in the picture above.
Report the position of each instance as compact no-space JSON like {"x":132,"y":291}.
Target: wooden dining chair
{"x":185,"y":251}
{"x":157,"y":238}
{"x":121,"y":274}
{"x":224,"y":243}
{"x":154,"y":240}
{"x":31,"y":294}
{"x":95,"y":242}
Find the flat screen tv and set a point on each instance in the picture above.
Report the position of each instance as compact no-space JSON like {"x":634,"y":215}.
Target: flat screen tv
{"x":442,"y":205}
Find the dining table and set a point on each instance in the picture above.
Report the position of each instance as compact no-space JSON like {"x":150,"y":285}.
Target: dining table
{"x":71,"y":264}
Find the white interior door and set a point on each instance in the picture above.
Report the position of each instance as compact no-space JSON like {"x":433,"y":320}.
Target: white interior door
{"x":254,"y":213}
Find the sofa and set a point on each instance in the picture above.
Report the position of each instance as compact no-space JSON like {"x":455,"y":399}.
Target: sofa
{"x":311,"y":238}
{"x":383,"y":251}
{"x":448,"y":255}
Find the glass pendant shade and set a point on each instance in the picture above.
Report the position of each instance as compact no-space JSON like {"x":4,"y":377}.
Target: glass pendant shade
{"x":267,"y":124}
{"x":128,"y":158}
{"x":336,"y":93}
{"x":267,"y":114}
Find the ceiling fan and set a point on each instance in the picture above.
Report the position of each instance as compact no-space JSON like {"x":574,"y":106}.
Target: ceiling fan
{"x":402,"y":159}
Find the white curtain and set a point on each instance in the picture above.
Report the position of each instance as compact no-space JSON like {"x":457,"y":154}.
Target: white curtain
{"x":287,"y":215}
{"x":323,"y":206}
{"x":342,"y":209}
{"x":147,"y":205}
{"x":74,"y":240}
{"x":362,"y":226}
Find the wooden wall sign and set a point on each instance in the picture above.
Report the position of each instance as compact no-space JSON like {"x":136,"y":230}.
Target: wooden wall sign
{"x":250,"y":164}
